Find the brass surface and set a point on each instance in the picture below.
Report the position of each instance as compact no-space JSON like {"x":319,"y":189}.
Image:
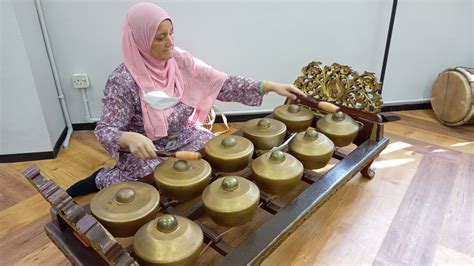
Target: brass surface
{"x":122,"y":208}
{"x":231,"y":201}
{"x":228,"y":153}
{"x":264,"y":133}
{"x":181,"y":166}
{"x":168,"y":240}
{"x":296,"y":118}
{"x":230,"y":183}
{"x":167,"y":223}
{"x":125,"y":195}
{"x":277,"y":172}
{"x":339,"y":127}
{"x":182,"y":180}
{"x":313,"y":149}
{"x":341,"y":85}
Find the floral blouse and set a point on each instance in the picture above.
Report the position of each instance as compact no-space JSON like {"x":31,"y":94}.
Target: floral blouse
{"x":121,"y":111}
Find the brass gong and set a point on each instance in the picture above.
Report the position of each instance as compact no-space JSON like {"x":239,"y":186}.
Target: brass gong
{"x":228,"y":153}
{"x":182,"y":179}
{"x":297,"y":118}
{"x":265,"y":133}
{"x":122,"y":208}
{"x":168,"y":240}
{"x":277,"y":172}
{"x":231,"y":200}
{"x":312,"y":148}
{"x":339,"y":127}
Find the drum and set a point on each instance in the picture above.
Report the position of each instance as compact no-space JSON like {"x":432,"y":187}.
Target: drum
{"x":452,"y":96}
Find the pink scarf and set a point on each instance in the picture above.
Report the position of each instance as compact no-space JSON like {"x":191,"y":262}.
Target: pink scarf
{"x":184,"y":76}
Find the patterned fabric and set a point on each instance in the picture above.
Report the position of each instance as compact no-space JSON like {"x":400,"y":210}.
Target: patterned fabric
{"x":121,"y":111}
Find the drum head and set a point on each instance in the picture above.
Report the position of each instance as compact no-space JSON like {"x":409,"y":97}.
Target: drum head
{"x":451,"y":97}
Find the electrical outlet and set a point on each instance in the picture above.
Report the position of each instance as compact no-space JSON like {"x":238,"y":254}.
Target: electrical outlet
{"x":80,"y":81}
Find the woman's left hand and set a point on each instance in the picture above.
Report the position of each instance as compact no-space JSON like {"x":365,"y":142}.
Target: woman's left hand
{"x":286,"y":90}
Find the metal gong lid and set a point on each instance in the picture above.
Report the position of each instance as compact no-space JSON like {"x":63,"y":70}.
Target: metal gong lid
{"x":230,"y":194}
{"x":264,"y":127}
{"x":167,"y":239}
{"x":293,"y":112}
{"x":311,"y":143}
{"x":176,"y":172}
{"x":338,"y":123}
{"x":277,"y":165}
{"x":125,"y":202}
{"x":229,"y":147}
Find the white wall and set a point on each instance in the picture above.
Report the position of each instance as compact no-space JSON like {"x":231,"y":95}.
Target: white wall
{"x":259,"y":39}
{"x":40,"y":67}
{"x":429,"y":36}
{"x":23,"y":126}
{"x":273,"y":40}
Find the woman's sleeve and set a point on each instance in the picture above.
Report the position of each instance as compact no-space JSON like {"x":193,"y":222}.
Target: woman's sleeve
{"x":118,"y":108}
{"x":242,"y":90}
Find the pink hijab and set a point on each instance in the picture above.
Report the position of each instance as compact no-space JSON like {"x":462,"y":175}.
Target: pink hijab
{"x":184,"y":76}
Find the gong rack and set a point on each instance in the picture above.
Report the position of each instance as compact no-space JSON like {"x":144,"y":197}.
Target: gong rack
{"x":84,"y":240}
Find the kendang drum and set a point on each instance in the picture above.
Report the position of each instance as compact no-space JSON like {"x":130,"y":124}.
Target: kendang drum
{"x":452,"y":96}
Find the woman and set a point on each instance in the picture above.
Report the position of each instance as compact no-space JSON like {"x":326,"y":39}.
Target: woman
{"x":158,"y":98}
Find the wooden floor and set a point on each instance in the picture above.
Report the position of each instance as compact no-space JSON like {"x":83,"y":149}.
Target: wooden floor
{"x":418,"y":210}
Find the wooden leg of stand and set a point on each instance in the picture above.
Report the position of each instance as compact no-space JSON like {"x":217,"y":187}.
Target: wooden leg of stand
{"x":55,"y":218}
{"x":367,"y":171}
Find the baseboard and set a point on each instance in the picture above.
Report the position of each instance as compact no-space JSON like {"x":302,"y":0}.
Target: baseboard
{"x":22,"y":157}
{"x":407,"y":107}
{"x":84,"y":126}
{"x":59,"y":142}
{"x":35,"y":156}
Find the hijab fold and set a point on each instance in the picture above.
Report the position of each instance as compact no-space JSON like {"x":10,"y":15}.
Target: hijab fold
{"x":183,"y":76}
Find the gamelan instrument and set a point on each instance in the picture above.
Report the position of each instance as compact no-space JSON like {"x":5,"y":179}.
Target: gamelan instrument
{"x":182,"y":179}
{"x":122,"y":208}
{"x":339,"y":127}
{"x":297,"y":118}
{"x":228,"y":153}
{"x":264,"y":133}
{"x":168,"y":240}
{"x":279,"y":185}
{"x":277,"y":172}
{"x":231,"y":200}
{"x":313,"y":149}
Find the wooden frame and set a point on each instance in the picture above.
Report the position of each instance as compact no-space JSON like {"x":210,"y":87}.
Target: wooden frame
{"x":370,"y":142}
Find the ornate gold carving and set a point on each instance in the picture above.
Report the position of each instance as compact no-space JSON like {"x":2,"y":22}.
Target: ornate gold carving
{"x":341,"y":85}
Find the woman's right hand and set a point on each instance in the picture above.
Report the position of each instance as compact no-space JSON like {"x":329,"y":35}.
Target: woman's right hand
{"x":138,"y":145}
